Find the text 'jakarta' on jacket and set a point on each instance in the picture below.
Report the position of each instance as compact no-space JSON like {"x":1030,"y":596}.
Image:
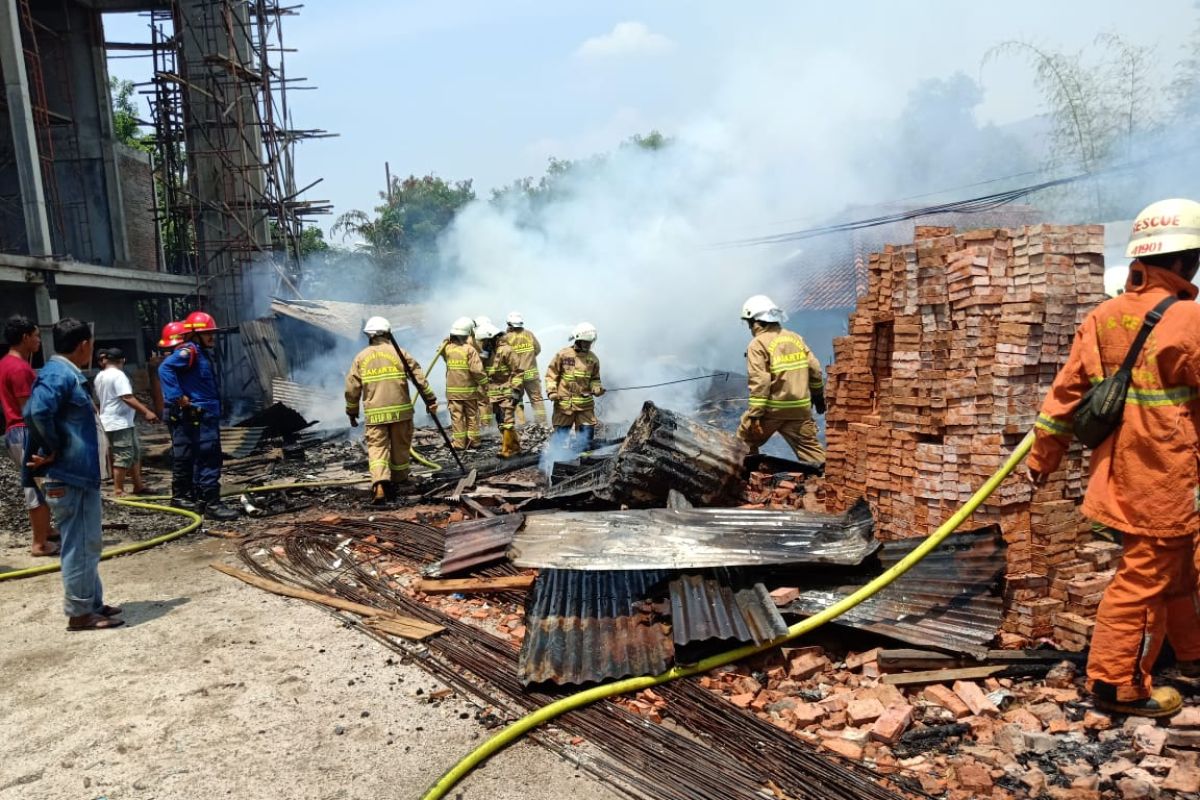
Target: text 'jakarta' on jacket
{"x":465,"y":376}
{"x":377,"y":379}
{"x":575,"y":378}
{"x":1145,"y":477}
{"x":503,"y":374}
{"x":783,"y":375}
{"x":527,"y":348}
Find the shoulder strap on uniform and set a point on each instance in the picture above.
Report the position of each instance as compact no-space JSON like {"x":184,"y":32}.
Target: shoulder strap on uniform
{"x":1152,"y":317}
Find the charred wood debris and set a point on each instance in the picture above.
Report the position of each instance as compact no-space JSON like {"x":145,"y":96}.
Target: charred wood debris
{"x":667,"y":543}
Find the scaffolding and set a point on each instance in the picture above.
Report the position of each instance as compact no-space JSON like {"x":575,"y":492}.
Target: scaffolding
{"x":223,"y":144}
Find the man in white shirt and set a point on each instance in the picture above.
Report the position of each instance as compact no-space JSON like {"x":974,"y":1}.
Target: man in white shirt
{"x":118,"y":415}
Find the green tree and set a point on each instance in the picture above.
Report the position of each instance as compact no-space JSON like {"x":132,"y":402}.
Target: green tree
{"x":560,"y":172}
{"x":125,"y":114}
{"x":1101,"y":103}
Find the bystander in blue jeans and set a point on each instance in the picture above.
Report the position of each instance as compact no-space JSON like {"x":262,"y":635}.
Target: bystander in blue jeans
{"x":77,"y":515}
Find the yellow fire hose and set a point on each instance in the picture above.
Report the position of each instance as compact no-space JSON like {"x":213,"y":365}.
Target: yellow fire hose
{"x":194,"y":519}
{"x":559,"y":707}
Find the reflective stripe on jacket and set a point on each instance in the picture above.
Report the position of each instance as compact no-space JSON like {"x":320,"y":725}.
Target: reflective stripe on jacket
{"x":1144,"y":477}
{"x":783,"y":375}
{"x":575,"y":378}
{"x":526,"y":348}
{"x":464,"y":372}
{"x":377,"y":379}
{"x":501,"y":368}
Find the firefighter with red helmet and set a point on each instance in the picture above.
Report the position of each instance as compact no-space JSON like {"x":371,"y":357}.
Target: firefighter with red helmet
{"x":192,"y":396}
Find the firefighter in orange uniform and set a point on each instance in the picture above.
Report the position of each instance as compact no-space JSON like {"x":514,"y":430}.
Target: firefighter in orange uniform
{"x":785,"y":384}
{"x":1145,"y":479}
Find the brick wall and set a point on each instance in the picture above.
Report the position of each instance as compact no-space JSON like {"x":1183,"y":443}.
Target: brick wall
{"x":137,"y":189}
{"x":949,"y":355}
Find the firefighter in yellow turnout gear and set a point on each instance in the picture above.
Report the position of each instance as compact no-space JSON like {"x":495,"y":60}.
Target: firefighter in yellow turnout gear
{"x":785,"y":384}
{"x":466,"y":384}
{"x":527,"y":348}
{"x":573,"y":383}
{"x":504,"y":384}
{"x":378,"y":382}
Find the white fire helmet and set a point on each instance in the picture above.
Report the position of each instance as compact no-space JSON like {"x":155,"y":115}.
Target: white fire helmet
{"x":481,"y":321}
{"x":584,"y":332}
{"x":463,"y":326}
{"x":1168,"y":226}
{"x":762,"y":308}
{"x":515,"y":319}
{"x":377,"y":325}
{"x":486,"y":330}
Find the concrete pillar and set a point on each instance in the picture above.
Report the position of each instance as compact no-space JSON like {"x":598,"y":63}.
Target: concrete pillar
{"x":25,"y":147}
{"x":45,"y":297}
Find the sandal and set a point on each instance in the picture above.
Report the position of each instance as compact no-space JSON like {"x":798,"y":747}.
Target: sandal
{"x":52,"y":549}
{"x":93,"y":622}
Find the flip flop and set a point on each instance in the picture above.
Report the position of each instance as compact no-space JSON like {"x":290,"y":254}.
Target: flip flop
{"x":110,"y":611}
{"x":95,"y":622}
{"x":53,"y":550}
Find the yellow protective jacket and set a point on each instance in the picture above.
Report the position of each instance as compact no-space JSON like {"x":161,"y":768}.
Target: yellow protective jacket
{"x":784,"y":374}
{"x":465,"y":377}
{"x":527,"y":348}
{"x":574,"y":379}
{"x":503,"y":374}
{"x":377,"y":379}
{"x":1145,"y":478}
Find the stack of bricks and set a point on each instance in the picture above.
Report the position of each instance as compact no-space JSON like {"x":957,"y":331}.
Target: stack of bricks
{"x":948,"y":357}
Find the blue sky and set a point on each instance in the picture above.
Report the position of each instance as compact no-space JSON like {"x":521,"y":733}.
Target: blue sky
{"x":490,"y":90}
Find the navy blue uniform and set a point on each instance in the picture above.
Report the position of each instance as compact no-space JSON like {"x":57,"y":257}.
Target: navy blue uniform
{"x":196,"y":430}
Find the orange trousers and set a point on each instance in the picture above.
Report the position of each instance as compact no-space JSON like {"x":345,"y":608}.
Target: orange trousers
{"x":1152,"y":595}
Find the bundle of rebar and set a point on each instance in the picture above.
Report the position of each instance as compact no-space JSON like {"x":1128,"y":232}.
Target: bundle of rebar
{"x":726,"y":754}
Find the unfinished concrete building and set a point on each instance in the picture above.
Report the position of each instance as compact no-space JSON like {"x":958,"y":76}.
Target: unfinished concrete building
{"x":949,"y":355}
{"x":94,"y":229}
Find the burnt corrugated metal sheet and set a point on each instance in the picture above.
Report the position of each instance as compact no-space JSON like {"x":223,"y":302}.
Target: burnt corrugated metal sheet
{"x":723,"y":604}
{"x":476,"y":542}
{"x":662,"y":538}
{"x":346,"y":319}
{"x":949,"y":601}
{"x":585,"y":627}
{"x":664,"y":450}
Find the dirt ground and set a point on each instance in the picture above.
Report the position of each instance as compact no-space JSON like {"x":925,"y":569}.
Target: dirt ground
{"x":217,"y":689}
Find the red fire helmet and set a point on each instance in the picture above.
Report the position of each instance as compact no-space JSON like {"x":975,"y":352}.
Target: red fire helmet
{"x":172,"y":335}
{"x":200,"y":321}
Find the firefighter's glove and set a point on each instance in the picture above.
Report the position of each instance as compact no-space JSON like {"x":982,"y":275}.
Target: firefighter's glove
{"x":599,"y":390}
{"x":552,"y":397}
{"x":431,"y":409}
{"x":516,"y":396}
{"x":353,"y":420}
{"x":755,"y":428}
{"x":818,"y":401}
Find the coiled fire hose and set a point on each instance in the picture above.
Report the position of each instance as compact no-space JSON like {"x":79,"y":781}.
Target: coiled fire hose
{"x":194,"y":519}
{"x":559,"y":707}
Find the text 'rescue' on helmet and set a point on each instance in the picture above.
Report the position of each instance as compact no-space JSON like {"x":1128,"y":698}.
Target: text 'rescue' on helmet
{"x":1168,"y":226}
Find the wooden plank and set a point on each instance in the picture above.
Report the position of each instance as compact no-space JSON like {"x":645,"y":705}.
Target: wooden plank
{"x":507,"y":583}
{"x":412,"y":628}
{"x":466,"y":482}
{"x":904,"y":659}
{"x":943,"y":675}
{"x":477,"y":507}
